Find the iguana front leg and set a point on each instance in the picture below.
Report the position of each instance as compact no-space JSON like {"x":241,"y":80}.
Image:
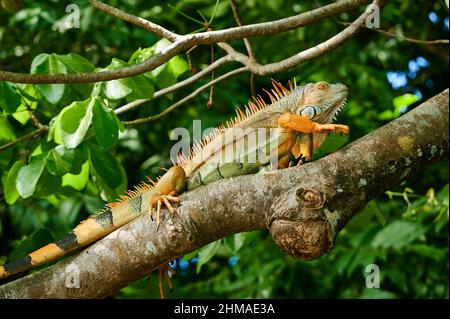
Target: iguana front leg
{"x":304,"y":125}
{"x":301,"y":124}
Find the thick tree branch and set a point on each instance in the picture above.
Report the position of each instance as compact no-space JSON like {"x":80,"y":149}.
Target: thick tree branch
{"x":304,"y":208}
{"x":185,"y":42}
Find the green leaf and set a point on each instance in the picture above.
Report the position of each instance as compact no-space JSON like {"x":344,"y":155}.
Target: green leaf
{"x":234,"y":242}
{"x":9,"y":185}
{"x":398,"y":234}
{"x":167,"y":74}
{"x":60,"y":160}
{"x":49,"y":64}
{"x":35,"y":241}
{"x":77,"y":64}
{"x":428,"y":251}
{"x":74,"y":121}
{"x":81,"y":156}
{"x":9,"y":98}
{"x":116,"y":89}
{"x":28,"y":100}
{"x":403,"y":101}
{"x":77,"y":181}
{"x":105,"y":166}
{"x":136,"y":87}
{"x":28,"y":176}
{"x":400,"y":105}
{"x":373,"y":208}
{"x":106,"y":127}
{"x":178,"y":66}
{"x":206,"y":253}
{"x":190,"y":255}
{"x":47,"y":185}
{"x":6,"y":131}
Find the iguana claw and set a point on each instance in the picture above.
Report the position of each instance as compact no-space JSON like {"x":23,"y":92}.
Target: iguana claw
{"x":163,"y":271}
{"x":158,"y":201}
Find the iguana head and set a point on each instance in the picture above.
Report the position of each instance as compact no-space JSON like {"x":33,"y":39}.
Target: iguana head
{"x":321,"y":101}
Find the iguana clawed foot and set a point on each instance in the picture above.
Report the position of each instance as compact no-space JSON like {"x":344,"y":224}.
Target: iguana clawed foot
{"x":157,"y":202}
{"x":163,"y":271}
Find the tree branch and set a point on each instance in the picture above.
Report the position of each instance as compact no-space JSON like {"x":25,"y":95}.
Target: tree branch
{"x":256,"y":68}
{"x":185,"y":99}
{"x":237,"y":17}
{"x":138,"y":21}
{"x":185,"y":42}
{"x":132,"y":105}
{"x":304,"y":208}
{"x":304,"y":55}
{"x":40,"y":131}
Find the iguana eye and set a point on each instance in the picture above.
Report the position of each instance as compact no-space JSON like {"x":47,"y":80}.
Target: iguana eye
{"x":308,"y":112}
{"x":322,"y":86}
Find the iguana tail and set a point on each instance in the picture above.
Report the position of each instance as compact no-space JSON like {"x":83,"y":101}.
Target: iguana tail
{"x":106,"y":221}
{"x":86,"y":232}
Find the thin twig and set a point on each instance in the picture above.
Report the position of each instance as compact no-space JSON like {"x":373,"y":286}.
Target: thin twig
{"x":33,"y":117}
{"x":211,"y":90}
{"x":280,"y":66}
{"x":185,"y":99}
{"x":140,"y":22}
{"x":237,"y":17}
{"x":177,"y":86}
{"x":247,"y":44}
{"x":185,"y":42}
{"x":28,"y":136}
{"x":401,"y":37}
{"x":304,"y":55}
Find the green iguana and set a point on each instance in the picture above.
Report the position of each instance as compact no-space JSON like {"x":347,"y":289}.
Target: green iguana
{"x":301,"y":116}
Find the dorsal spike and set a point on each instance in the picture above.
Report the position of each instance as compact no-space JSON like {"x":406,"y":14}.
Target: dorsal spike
{"x":283,"y":88}
{"x":277,"y":89}
{"x":255,"y":104}
{"x":276,"y":94}
{"x":271,"y":97}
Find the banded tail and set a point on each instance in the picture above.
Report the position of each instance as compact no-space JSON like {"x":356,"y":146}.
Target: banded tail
{"x":88,"y":231}
{"x":106,"y":221}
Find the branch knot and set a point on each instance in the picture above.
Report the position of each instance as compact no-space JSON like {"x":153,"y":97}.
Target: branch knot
{"x":299,"y":225}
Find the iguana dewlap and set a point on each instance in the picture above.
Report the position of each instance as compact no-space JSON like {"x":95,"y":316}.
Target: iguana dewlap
{"x":301,"y":116}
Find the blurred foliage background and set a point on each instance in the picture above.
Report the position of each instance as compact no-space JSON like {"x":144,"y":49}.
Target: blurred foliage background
{"x":51,"y":183}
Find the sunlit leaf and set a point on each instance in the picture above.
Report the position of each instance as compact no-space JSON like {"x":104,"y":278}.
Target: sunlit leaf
{"x":74,"y":121}
{"x":28,"y":176}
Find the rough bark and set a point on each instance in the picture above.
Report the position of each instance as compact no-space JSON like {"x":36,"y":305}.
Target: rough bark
{"x":304,"y":208}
